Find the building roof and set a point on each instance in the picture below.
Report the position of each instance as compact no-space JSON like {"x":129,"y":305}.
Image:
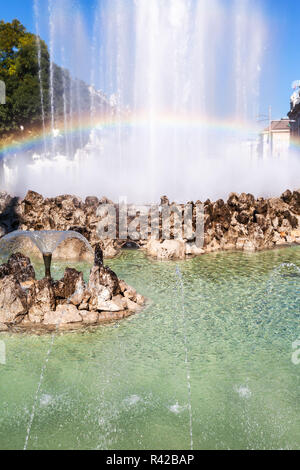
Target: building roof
{"x":280,"y":125}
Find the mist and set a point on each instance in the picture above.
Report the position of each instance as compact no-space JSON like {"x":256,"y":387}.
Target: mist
{"x":183,"y":82}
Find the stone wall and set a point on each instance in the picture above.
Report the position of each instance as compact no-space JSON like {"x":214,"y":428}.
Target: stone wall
{"x":240,"y":223}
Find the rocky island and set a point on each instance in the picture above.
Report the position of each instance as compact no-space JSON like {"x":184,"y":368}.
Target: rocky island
{"x":46,"y":304}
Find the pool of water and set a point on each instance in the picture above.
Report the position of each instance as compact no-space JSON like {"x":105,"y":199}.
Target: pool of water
{"x":208,"y":363}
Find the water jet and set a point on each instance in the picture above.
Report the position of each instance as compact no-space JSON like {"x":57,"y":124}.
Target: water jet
{"x":45,"y":240}
{"x":47,"y":262}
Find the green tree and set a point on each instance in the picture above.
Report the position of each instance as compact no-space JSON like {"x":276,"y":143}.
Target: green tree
{"x":19,"y":69}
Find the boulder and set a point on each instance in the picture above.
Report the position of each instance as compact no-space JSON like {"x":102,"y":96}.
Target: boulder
{"x":73,"y":249}
{"x":92,"y":201}
{"x":72,"y":284}
{"x":89,"y":318}
{"x":243,"y":217}
{"x":41,"y":300}
{"x":33,"y":199}
{"x":13,"y":302}
{"x":103,"y":276}
{"x":287,"y":196}
{"x":114,"y":305}
{"x":64,"y":315}
{"x":18,"y":266}
{"x":168,"y":250}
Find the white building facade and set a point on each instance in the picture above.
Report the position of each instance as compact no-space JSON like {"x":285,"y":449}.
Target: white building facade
{"x":275,"y":140}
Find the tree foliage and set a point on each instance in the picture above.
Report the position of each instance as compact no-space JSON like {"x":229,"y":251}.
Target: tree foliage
{"x":19,"y":70}
{"x":25,"y":70}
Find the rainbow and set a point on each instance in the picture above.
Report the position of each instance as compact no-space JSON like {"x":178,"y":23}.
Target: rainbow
{"x":130,"y":121}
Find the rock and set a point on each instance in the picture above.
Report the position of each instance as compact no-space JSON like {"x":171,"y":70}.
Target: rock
{"x":98,"y":260}
{"x":123,"y":285}
{"x":27,"y":284}
{"x":108,"y":306}
{"x":153,"y":247}
{"x":110,"y":250}
{"x":18,"y":266}
{"x":295,"y":202}
{"x":240,"y":243}
{"x":3,"y":327}
{"x":99,"y":296}
{"x":21,"y":268}
{"x":191,"y":249}
{"x":243,"y":218}
{"x":295,"y":233}
{"x":213,"y":246}
{"x":64,"y":315}
{"x":168,"y":250}
{"x":72,"y":284}
{"x":89,"y":318}
{"x":33,"y":199}
{"x":121,"y":301}
{"x":83,"y":306}
{"x":287,"y":196}
{"x":140,"y":300}
{"x":91,"y":201}
{"x":107,"y":317}
{"x":4,"y":270}
{"x":249,"y":246}
{"x":103,"y":276}
{"x":132,"y":306}
{"x":73,"y":249}
{"x":41,"y":300}
{"x":241,"y":202}
{"x":130,"y":293}
{"x":13,"y":302}
{"x":164,"y":201}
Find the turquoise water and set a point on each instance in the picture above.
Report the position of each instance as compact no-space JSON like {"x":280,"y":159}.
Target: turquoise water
{"x":226,"y":320}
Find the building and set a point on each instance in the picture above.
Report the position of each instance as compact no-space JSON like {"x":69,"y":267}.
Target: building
{"x":275,"y":139}
{"x":294,"y":113}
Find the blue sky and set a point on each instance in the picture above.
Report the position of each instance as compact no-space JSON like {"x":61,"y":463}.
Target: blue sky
{"x":282,"y":55}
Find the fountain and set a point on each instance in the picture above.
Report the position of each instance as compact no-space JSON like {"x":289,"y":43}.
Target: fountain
{"x":45,"y":240}
{"x":68,"y":301}
{"x":170,"y":92}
